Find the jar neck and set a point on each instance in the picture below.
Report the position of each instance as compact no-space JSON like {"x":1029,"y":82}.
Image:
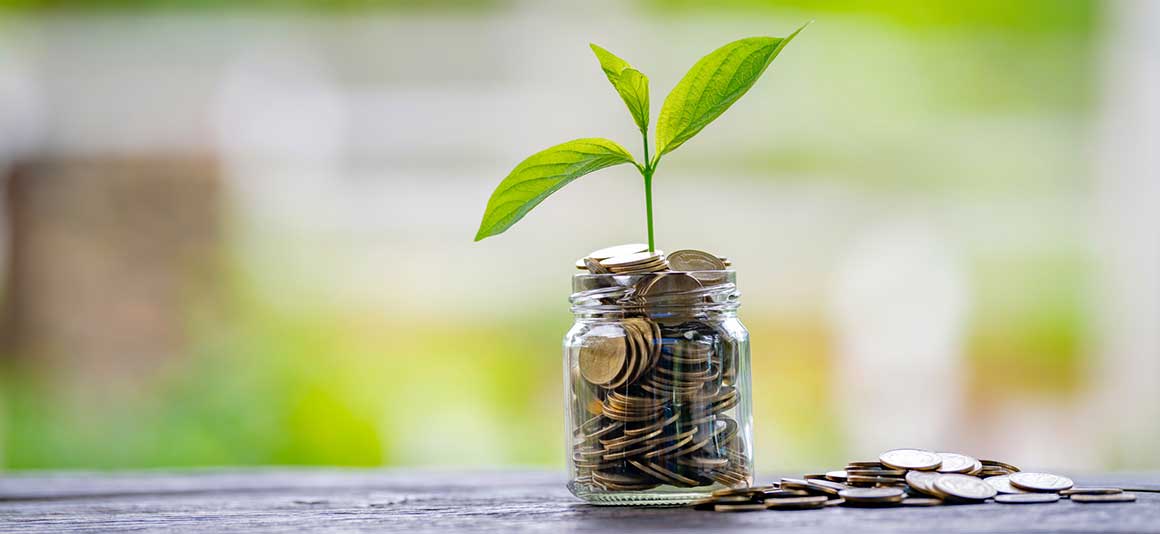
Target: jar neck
{"x":664,"y":296}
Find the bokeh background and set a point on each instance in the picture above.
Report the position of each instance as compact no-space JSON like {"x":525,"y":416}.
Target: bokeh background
{"x":241,"y":233}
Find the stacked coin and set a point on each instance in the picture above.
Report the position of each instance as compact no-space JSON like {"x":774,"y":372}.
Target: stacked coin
{"x":654,"y":394}
{"x":911,"y":477}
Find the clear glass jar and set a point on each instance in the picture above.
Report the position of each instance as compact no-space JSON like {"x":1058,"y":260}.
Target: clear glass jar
{"x":657,"y":388}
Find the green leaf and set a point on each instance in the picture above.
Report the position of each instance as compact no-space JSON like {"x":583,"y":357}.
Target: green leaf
{"x":630,"y":83}
{"x":541,"y":175}
{"x":712,"y":85}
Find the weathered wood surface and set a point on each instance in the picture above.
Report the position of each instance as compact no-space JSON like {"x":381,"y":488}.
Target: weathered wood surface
{"x":334,"y":500}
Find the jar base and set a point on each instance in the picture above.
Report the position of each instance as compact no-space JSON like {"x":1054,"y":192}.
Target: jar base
{"x":660,"y":496}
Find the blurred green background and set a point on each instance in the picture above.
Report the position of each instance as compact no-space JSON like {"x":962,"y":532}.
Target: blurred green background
{"x":240,"y":234}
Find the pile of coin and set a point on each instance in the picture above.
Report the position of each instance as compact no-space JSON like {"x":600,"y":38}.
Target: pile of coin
{"x":911,"y":477}
{"x":655,"y":393}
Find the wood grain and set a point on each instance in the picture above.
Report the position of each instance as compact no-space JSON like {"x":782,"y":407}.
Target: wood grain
{"x":337,"y":500}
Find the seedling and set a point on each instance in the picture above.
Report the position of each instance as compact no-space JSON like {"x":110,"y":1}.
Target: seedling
{"x":707,"y":90}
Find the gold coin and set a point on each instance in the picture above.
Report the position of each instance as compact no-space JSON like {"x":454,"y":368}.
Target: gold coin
{"x":668,"y":283}
{"x":603,"y":353}
{"x":964,"y":487}
{"x":1045,"y":482}
{"x":739,"y":508}
{"x":594,"y":266}
{"x":694,"y":260}
{"x":1091,"y":491}
{"x":917,"y":459}
{"x":796,"y":503}
{"x":953,"y":462}
{"x":1118,"y":497}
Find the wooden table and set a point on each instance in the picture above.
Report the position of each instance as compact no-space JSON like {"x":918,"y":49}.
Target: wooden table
{"x":281,"y":500}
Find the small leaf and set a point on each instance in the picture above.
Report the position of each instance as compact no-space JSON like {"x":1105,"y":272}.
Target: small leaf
{"x":712,"y":85}
{"x":630,"y":83}
{"x":541,"y":175}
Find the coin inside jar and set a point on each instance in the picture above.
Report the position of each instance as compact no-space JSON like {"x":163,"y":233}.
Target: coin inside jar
{"x":603,"y":354}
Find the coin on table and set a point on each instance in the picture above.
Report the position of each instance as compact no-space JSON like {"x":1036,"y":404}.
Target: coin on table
{"x":836,"y":476}
{"x":1091,"y":491}
{"x":795,"y":483}
{"x":876,"y":472}
{"x":694,"y":260}
{"x":872,"y":495}
{"x":618,"y":250}
{"x":1045,"y":482}
{"x":865,"y":465}
{"x":1117,"y":497}
{"x":922,"y":501}
{"x":1000,"y":465}
{"x":739,"y":508}
{"x":1002,"y":484}
{"x":953,"y":462}
{"x":826,"y":486}
{"x":964,"y":487}
{"x":784,"y":493}
{"x":860,"y":480}
{"x":923,"y":482}
{"x":1027,"y":498}
{"x":834,"y":501}
{"x":796,"y":503}
{"x":917,"y":459}
{"x":603,"y":354}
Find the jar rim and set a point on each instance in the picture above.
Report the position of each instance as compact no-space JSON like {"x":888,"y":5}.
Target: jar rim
{"x":710,"y":290}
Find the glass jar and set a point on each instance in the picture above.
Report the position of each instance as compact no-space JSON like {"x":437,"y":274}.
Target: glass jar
{"x":657,"y":388}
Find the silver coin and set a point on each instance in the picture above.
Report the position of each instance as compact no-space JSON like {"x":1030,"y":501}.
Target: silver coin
{"x":953,"y":462}
{"x":1027,"y":498}
{"x":871,"y":495}
{"x":1045,"y":482}
{"x":918,"y":459}
{"x":964,"y":487}
{"x":1002,"y":484}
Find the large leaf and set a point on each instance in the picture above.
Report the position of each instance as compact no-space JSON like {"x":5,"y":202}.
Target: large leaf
{"x":630,"y":83}
{"x":712,"y":85}
{"x":541,"y":175}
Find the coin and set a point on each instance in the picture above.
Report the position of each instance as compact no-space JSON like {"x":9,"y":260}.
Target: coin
{"x":859,"y":480}
{"x":865,"y":465}
{"x":826,"y":486}
{"x":836,"y":476}
{"x":796,"y":483}
{"x":594,"y":266}
{"x":871,"y":495}
{"x":1091,"y":491}
{"x":922,"y":482}
{"x":964,"y":487}
{"x":1001,"y":465}
{"x":739,"y":508}
{"x":603,"y":354}
{"x":1118,"y":497}
{"x":668,"y":283}
{"x":783,"y":493}
{"x":918,"y":459}
{"x":957,"y":463}
{"x":1002,"y":484}
{"x":921,"y":501}
{"x":694,"y":260}
{"x":796,"y":503}
{"x":618,"y":250}
{"x":1027,"y":498}
{"x":876,"y":472}
{"x":1046,"y":482}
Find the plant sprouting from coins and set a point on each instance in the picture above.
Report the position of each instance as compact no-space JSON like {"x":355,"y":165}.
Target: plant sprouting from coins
{"x":706,"y":91}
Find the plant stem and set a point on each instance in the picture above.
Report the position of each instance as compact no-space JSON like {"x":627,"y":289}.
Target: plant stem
{"x":648,"y":174}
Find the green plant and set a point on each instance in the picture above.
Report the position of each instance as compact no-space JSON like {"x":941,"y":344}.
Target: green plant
{"x":707,"y":90}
